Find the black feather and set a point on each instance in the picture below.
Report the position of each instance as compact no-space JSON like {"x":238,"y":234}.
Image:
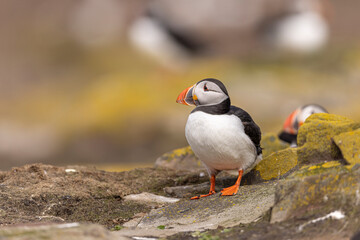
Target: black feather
{"x":250,"y":127}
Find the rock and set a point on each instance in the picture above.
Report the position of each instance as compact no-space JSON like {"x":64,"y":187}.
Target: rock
{"x":188,"y":190}
{"x":315,"y":137}
{"x":134,"y":221}
{"x":349,"y":145}
{"x":311,"y":170}
{"x":250,"y":204}
{"x":318,"y":141}
{"x":69,"y":231}
{"x":180,"y":159}
{"x":316,"y":202}
{"x":329,"y":226}
{"x":271,"y":143}
{"x":150,"y":199}
{"x":316,"y":191}
{"x":277,"y":165}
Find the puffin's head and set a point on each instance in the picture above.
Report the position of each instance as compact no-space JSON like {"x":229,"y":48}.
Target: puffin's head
{"x":206,"y":92}
{"x":308,"y":110}
{"x":297,"y":118}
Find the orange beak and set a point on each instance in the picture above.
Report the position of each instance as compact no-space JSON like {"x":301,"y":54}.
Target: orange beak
{"x":186,"y":97}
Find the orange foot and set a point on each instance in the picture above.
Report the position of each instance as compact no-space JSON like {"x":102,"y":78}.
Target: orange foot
{"x":212,"y":189}
{"x":201,"y":196}
{"x":233,"y":189}
{"x":230,"y":190}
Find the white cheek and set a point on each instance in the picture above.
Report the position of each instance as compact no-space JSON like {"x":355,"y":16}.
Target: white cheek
{"x":210,"y":98}
{"x":306,"y":113}
{"x":304,"y":117}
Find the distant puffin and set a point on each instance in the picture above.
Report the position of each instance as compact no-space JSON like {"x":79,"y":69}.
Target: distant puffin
{"x":295,"y":120}
{"x":222,"y":136}
{"x":302,"y":29}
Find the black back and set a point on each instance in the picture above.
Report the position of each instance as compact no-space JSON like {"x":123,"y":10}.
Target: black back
{"x":250,"y":127}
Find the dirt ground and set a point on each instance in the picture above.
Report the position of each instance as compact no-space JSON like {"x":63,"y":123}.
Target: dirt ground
{"x":46,"y":194}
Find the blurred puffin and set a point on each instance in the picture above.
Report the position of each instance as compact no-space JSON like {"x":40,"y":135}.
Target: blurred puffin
{"x":222,"y":136}
{"x":295,"y":120}
{"x":303,"y":28}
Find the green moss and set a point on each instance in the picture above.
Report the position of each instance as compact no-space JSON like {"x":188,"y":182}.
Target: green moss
{"x":162,"y":227}
{"x":117,"y":228}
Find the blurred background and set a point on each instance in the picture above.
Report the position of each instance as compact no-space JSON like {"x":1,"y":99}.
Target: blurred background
{"x":95,"y":82}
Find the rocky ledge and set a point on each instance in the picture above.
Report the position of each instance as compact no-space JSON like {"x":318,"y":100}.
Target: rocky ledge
{"x":308,"y":192}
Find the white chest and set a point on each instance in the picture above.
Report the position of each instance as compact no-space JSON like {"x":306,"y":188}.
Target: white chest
{"x":220,"y":141}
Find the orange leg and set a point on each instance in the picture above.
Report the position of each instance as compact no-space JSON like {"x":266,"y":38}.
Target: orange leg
{"x":212,"y":189}
{"x":233,"y":189}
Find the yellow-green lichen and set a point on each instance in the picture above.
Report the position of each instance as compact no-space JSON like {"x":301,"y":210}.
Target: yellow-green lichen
{"x":315,"y":137}
{"x":178,"y":153}
{"x":349,"y":145}
{"x":325,"y":189}
{"x":180,"y":159}
{"x":325,"y":165}
{"x":316,"y":169}
{"x":271,"y":143}
{"x":277,"y":164}
{"x":326,"y":185}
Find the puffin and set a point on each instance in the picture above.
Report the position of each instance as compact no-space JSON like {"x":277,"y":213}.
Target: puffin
{"x":222,"y":136}
{"x":294,"y":121}
{"x":302,"y":29}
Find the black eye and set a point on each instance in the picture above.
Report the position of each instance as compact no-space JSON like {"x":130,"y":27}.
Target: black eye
{"x":205,"y":88}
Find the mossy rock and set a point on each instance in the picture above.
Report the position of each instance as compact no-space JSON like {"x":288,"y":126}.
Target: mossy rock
{"x":311,"y":170}
{"x":349,"y":145}
{"x":317,"y":190}
{"x":278,"y":165}
{"x":315,"y":137}
{"x":180,"y":159}
{"x":271,"y":143}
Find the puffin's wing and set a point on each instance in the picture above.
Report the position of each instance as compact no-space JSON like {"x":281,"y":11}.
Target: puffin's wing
{"x":250,"y":127}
